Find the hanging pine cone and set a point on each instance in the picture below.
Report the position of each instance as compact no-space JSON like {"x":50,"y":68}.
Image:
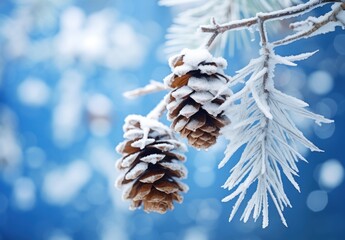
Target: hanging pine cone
{"x":199,"y":88}
{"x":151,"y":165}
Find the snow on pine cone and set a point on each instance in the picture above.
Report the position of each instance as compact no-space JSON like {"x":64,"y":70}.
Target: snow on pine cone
{"x":151,"y":165}
{"x":199,"y":88}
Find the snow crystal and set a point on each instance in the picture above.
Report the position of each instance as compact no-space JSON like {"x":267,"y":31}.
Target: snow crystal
{"x":153,"y":158}
{"x":136,"y":171}
{"x":182,"y":92}
{"x":208,"y":69}
{"x":141,"y":143}
{"x":202,"y":97}
{"x":193,"y":57}
{"x":189,"y":110}
{"x":127,"y":161}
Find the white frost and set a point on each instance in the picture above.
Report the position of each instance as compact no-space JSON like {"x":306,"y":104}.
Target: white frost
{"x":262,"y":122}
{"x":202,"y":97}
{"x":189,"y":110}
{"x":127,"y":161}
{"x":182,"y":92}
{"x":212,"y":108}
{"x":153,"y":158}
{"x":136,"y":171}
{"x":175,"y":166}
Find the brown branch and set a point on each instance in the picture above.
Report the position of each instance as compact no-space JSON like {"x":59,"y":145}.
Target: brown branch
{"x":245,"y":23}
{"x":316,"y":25}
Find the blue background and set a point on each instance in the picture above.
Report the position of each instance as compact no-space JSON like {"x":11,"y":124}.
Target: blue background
{"x":63,"y":68}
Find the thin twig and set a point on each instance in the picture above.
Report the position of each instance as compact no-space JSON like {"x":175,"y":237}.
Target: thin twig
{"x":245,"y":23}
{"x":152,"y":87}
{"x":315,"y":26}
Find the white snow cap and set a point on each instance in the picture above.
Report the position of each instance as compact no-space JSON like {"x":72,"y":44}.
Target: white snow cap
{"x":192,"y":58}
{"x":147,"y":130}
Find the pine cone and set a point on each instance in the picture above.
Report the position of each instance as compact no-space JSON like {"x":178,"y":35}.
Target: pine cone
{"x":151,"y":165}
{"x":199,"y":88}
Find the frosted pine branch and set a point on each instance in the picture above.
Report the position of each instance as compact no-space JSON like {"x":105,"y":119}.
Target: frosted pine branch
{"x":315,"y":26}
{"x":183,"y":33}
{"x":274,"y":15}
{"x":265,"y":127}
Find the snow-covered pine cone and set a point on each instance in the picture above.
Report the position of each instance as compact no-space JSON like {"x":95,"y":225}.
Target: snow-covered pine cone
{"x":198,"y":89}
{"x":151,"y":165}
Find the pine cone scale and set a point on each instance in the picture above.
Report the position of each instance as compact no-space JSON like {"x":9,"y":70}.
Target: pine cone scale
{"x":180,"y":81}
{"x":152,"y":176}
{"x":166,"y":186}
{"x":142,"y":191}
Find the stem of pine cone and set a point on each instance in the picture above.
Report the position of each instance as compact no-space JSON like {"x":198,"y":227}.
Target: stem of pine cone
{"x":152,"y":87}
{"x":246,"y":23}
{"x":158,"y":111}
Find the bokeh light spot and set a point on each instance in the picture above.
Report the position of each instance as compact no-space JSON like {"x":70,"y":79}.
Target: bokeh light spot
{"x":317,"y":200}
{"x":331,"y":174}
{"x":320,"y":82}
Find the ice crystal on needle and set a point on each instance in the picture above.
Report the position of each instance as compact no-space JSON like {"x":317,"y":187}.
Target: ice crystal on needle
{"x":262,"y":122}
